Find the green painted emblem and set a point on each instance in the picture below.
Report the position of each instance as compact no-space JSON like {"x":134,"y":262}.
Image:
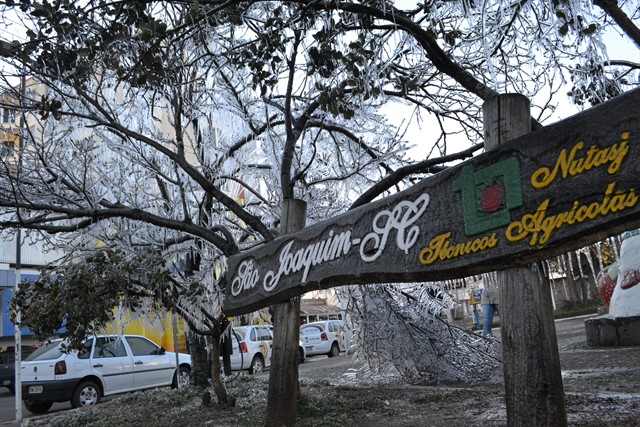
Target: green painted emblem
{"x":489,"y":194}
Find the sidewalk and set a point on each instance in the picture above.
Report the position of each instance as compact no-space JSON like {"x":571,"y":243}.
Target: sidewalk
{"x":589,"y":369}
{"x":595,"y":369}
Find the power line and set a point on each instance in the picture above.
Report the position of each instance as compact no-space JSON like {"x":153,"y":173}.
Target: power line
{"x":14,"y":36}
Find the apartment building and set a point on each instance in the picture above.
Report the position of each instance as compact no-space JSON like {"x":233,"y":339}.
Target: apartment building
{"x":29,"y":250}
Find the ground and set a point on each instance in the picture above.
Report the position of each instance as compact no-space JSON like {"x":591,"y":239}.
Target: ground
{"x":601,"y":388}
{"x":323,"y":404}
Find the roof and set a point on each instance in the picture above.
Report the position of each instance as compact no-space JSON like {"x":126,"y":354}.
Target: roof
{"x":306,"y":310}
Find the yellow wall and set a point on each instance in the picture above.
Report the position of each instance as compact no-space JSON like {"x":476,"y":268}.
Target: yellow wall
{"x":161,"y":335}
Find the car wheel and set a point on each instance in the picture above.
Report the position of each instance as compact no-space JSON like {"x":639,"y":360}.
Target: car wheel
{"x":300,"y":355}
{"x":183,"y":377}
{"x":86,"y":394}
{"x":257,"y":365}
{"x":335,"y":350}
{"x":37,"y":406}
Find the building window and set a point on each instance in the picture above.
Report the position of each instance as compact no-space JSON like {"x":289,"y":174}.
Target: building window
{"x":6,"y":149}
{"x":7,"y":115}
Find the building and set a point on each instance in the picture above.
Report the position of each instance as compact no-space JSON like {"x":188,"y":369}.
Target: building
{"x":28,"y":249}
{"x":316,"y":309}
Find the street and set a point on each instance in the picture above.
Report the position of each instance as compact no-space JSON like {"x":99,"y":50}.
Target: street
{"x":7,"y":408}
{"x":314,"y":368}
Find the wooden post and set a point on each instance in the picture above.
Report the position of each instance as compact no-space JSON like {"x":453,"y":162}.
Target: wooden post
{"x":283,"y":374}
{"x":531,"y":363}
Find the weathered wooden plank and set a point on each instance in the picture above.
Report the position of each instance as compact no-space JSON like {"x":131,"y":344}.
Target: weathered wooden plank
{"x":534,"y":393}
{"x":553,"y":190}
{"x":283,"y":375}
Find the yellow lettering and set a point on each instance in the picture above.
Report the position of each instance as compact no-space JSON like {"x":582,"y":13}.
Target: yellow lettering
{"x":430,"y":255}
{"x":569,"y":165}
{"x":441,"y":249}
{"x":592,"y":211}
{"x":540,"y":227}
{"x":581,"y":214}
{"x":544,"y":176}
{"x":618,"y":155}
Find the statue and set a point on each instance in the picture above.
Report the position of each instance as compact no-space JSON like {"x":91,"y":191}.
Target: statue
{"x":621,"y":326}
{"x":625,"y":301}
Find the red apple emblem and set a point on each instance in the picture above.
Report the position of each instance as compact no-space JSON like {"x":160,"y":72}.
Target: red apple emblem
{"x":492,"y":197}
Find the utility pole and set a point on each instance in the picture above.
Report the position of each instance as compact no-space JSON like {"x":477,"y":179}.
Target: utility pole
{"x":6,"y":50}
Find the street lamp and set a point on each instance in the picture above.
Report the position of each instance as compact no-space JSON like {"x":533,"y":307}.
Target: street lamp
{"x":7,"y":50}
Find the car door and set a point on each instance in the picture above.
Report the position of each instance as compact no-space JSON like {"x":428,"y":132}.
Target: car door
{"x":7,"y":368}
{"x":152,"y":367}
{"x":265,"y":341}
{"x":237,"y":356}
{"x":113,"y":364}
{"x":338,"y":330}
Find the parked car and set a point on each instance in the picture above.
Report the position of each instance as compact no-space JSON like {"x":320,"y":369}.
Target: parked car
{"x":251,"y":348}
{"x":108,"y":364}
{"x":7,"y":365}
{"x":324,"y":337}
{"x":302,"y":353}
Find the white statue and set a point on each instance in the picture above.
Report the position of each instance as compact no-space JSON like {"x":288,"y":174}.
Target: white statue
{"x":625,"y":301}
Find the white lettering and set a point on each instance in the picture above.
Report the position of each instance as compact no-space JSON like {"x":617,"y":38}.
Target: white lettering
{"x":402,"y":219}
{"x":404,"y":214}
{"x":308,"y":256}
{"x":246,"y":279}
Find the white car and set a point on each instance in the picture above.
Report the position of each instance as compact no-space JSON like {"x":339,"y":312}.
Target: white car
{"x":302,"y":353}
{"x":251,"y":348}
{"x":108,"y":364}
{"x":324,"y":337}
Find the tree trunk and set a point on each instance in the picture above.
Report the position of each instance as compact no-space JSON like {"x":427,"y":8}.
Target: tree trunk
{"x":200,"y":367}
{"x":533,"y":382}
{"x":283,"y":374}
{"x":573,"y":289}
{"x":216,"y":367}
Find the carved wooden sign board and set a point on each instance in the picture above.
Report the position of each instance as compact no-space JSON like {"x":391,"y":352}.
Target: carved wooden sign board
{"x":556,"y":189}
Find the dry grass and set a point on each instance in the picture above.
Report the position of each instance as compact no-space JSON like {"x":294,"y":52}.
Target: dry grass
{"x":324,"y":405}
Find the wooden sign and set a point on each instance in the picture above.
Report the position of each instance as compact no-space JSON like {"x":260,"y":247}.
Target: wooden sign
{"x":556,"y":189}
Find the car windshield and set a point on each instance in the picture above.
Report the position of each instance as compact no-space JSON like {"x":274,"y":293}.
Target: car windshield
{"x":48,"y":351}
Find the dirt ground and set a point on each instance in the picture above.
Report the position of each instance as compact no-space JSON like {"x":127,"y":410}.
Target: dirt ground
{"x":602,"y":387}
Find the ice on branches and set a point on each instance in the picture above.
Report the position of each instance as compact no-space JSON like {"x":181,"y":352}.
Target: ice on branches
{"x":404,"y":329}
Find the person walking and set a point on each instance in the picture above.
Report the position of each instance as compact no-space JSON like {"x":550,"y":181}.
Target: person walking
{"x":490,"y":307}
{"x":475,"y":295}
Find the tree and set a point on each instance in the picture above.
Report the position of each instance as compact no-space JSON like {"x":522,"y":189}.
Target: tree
{"x":300,"y":87}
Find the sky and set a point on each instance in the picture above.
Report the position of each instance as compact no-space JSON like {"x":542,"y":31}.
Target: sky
{"x":618,"y":48}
